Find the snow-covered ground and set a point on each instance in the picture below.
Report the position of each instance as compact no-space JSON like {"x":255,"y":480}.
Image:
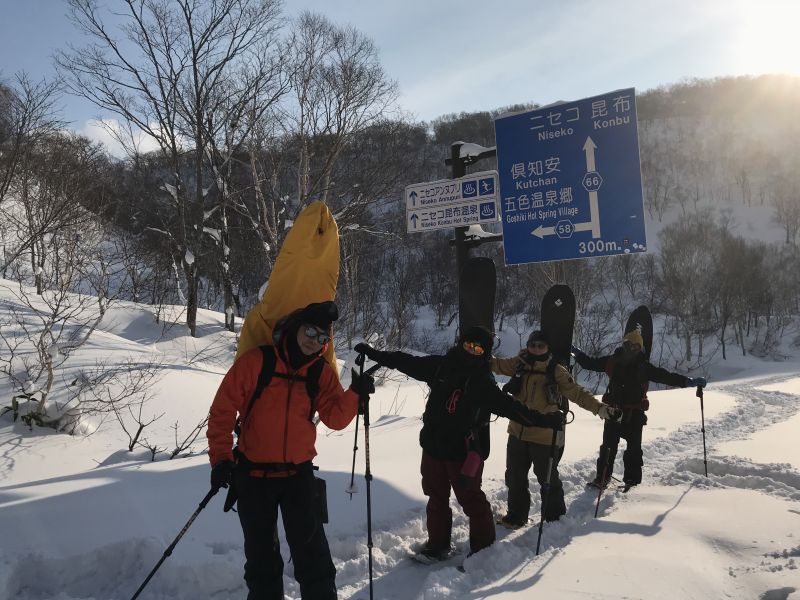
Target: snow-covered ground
{"x":82,"y":518}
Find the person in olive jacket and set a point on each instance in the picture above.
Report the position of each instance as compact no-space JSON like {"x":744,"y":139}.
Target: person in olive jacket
{"x":531,"y":445}
{"x":455,"y":432}
{"x":629,"y":373}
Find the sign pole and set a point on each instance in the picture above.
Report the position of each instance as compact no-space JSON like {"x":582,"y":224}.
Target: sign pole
{"x":458,"y":170}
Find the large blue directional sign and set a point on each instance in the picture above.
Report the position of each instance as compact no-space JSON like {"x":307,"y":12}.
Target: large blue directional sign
{"x":570,"y":181}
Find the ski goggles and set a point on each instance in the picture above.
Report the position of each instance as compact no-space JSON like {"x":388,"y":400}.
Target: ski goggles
{"x":474,"y":347}
{"x":537,"y":345}
{"x":313,"y":333}
{"x":633,"y":346}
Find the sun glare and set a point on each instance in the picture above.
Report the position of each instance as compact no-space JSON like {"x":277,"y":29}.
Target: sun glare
{"x":769,"y":40}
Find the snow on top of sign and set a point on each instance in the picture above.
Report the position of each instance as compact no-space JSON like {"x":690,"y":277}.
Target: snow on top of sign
{"x":469,"y":149}
{"x":476,"y":231}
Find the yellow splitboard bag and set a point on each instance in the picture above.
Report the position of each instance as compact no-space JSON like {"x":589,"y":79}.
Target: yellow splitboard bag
{"x":306,"y":271}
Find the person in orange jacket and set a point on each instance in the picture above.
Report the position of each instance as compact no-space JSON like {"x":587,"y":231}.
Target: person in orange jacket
{"x":272,"y":467}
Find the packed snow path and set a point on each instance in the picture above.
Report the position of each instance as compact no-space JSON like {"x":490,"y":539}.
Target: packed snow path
{"x":674,"y":460}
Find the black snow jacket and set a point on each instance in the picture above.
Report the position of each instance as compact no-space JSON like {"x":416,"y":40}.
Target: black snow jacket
{"x":627,"y":384}
{"x":463,"y":393}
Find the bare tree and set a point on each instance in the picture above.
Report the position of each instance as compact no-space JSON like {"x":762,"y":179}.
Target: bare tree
{"x":687,"y":274}
{"x":27,"y":114}
{"x":182,"y":445}
{"x":339,"y":89}
{"x":786,"y":200}
{"x":228,"y":126}
{"x":161,"y":71}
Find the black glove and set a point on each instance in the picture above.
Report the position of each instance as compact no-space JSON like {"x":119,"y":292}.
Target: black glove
{"x":552,"y":420}
{"x":610,"y":413}
{"x":222,"y":474}
{"x":696,"y":382}
{"x":362,"y":384}
{"x":365,"y":349}
{"x":576,"y":352}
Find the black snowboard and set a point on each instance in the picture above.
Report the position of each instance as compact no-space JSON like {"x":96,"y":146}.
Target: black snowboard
{"x":558,"y":321}
{"x":476,"y":289}
{"x":642,"y":320}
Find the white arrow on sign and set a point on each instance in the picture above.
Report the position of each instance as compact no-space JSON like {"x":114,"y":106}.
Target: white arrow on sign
{"x":542,"y":231}
{"x":588,"y":148}
{"x":594,"y":210}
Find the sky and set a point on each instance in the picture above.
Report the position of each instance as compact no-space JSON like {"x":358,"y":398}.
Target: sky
{"x":449,"y":56}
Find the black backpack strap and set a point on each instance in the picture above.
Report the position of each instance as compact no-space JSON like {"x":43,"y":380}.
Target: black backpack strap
{"x":551,"y":385}
{"x":268,"y":361}
{"x":311,"y":379}
{"x":312,"y":383}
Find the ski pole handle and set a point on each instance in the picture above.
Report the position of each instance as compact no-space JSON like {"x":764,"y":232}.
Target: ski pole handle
{"x":360,"y":359}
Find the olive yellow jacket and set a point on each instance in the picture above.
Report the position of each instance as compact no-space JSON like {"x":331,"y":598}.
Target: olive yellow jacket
{"x":534,"y":395}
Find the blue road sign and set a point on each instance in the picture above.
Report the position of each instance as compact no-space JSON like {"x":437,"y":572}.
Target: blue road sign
{"x":570,"y":180}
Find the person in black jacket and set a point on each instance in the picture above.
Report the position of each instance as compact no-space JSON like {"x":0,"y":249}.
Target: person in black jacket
{"x":629,"y":372}
{"x":455,"y":432}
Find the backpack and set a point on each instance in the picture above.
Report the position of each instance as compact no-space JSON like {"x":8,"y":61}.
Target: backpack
{"x":643,"y":404}
{"x":551,"y":387}
{"x":554,"y":397}
{"x":268,"y":361}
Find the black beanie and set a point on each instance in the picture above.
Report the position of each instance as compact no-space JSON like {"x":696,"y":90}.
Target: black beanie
{"x":478,"y":334}
{"x":319,"y":314}
{"x":537,"y":336}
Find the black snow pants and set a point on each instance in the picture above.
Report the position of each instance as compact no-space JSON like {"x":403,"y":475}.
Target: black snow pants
{"x":520,"y":456}
{"x":259,"y":500}
{"x":630,"y":429}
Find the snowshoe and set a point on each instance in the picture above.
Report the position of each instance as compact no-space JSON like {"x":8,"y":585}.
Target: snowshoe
{"x":597,"y":484}
{"x":511,"y":523}
{"x":428,"y":555}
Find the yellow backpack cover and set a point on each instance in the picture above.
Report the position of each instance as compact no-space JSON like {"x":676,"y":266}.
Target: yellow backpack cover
{"x":306,"y":271}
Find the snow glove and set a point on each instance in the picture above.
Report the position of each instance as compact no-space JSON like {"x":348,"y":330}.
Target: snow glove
{"x":609,"y":413}
{"x":576,"y":352}
{"x":363,"y":385}
{"x":552,"y":420}
{"x":366,"y":350}
{"x":222,"y":474}
{"x":696,"y":382}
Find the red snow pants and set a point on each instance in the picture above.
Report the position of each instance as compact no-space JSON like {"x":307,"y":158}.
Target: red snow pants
{"x":438,"y":478}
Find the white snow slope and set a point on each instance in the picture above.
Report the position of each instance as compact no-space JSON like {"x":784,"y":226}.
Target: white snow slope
{"x":82,"y":518}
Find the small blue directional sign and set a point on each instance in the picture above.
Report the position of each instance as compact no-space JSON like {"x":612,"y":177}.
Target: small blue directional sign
{"x":570,"y":181}
{"x":469,"y":200}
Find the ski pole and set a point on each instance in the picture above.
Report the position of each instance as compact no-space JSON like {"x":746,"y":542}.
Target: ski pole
{"x":546,"y":486}
{"x":364,"y":400}
{"x":352,"y":489}
{"x":174,"y":543}
{"x":699,"y":394}
{"x":602,"y":481}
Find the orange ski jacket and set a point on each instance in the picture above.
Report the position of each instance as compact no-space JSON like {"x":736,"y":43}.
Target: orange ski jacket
{"x":279,"y":427}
